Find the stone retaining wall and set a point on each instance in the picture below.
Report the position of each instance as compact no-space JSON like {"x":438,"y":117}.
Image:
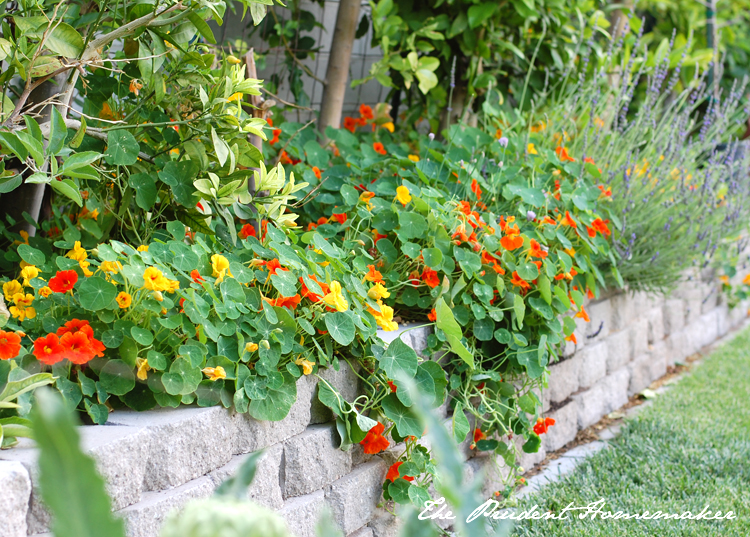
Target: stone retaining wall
{"x":156,"y":461}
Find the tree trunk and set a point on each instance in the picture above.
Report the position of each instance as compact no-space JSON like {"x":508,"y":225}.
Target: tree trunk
{"x":337,"y":74}
{"x":28,"y":198}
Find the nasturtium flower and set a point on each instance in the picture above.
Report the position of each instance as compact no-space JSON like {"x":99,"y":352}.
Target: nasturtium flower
{"x":124,"y":300}
{"x":154,"y":280}
{"x":142,"y":248}
{"x":413,"y":158}
{"x":85,"y":268}
{"x":22,"y":308}
{"x":393,"y":473}
{"x":317,"y":172}
{"x":350,"y":124}
{"x":518,"y":281}
{"x":63,"y":281}
{"x":377,"y":292}
{"x":112,"y":267}
{"x":11,"y":288}
{"x":374,"y":442}
{"x":600,"y":226}
{"x":384,"y":317}
{"x":511,"y":242}
{"x":543,"y":424}
{"x":235,"y":97}
{"x":335,"y":298}
{"x":536,"y":250}
{"x":567,"y":220}
{"x":248,"y":230}
{"x":476,"y":189}
{"x":306,"y":365}
{"x":373,"y":275}
{"x":746,"y":280}
{"x":10,"y":345}
{"x":48,"y":349}
{"x":142,"y":368}
{"x":135,"y":87}
{"x":28,"y":273}
{"x":365,"y":111}
{"x":314,"y":297}
{"x":220,"y":266}
{"x":432,"y":316}
{"x":365,"y":198}
{"x":44,"y":292}
{"x":430,"y":277}
{"x":572,"y":338}
{"x":583,"y":314}
{"x":340,"y":217}
{"x":290,"y":302}
{"x":389,"y":126}
{"x":78,"y":348}
{"x":479,"y":435}
{"x":251,"y":347}
{"x":562,"y":154}
{"x":214,"y":373}
{"x":379,"y":148}
{"x":77,"y":253}
{"x":196,"y":276}
{"x":531,"y":150}
{"x":402,"y":195}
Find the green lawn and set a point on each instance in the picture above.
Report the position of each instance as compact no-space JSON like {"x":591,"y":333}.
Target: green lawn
{"x":689,"y":449}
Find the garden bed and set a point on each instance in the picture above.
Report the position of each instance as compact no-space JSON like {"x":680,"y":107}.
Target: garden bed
{"x":157,"y":460}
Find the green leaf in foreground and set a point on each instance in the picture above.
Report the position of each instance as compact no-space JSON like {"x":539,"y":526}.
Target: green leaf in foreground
{"x":447,"y":323}
{"x":71,"y":488}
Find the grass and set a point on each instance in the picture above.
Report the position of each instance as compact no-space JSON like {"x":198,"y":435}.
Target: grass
{"x":691,"y":448}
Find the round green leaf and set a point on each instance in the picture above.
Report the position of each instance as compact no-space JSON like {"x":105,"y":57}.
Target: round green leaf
{"x":407,"y":423}
{"x":277,"y":404}
{"x":122,"y":148}
{"x":141,"y":335}
{"x":340,"y":326}
{"x":399,"y":358}
{"x":112,"y":338}
{"x":433,"y":257}
{"x":156,"y":360}
{"x":31,"y":255}
{"x":117,"y":377}
{"x":96,"y":293}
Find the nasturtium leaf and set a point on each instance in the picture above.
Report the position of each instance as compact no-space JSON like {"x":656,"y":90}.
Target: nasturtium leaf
{"x":527,"y":403}
{"x":407,"y":423}
{"x":544,"y":309}
{"x":285,"y":283}
{"x":142,"y":335}
{"x":519,"y":307}
{"x":532,"y":444}
{"x":484,"y":329}
{"x":399,"y":490}
{"x":468,"y":261}
{"x":277,"y":404}
{"x":117,"y":377}
{"x":433,"y":257}
{"x":145,"y":190}
{"x":412,"y":225}
{"x":156,"y":360}
{"x":569,"y":325}
{"x":340,"y":326}
{"x":241,"y":273}
{"x":461,"y":425}
{"x":96,"y":293}
{"x":399,"y":359}
{"x":122,"y":148}
{"x":419,"y":496}
{"x":527,"y":271}
{"x":447,"y":323}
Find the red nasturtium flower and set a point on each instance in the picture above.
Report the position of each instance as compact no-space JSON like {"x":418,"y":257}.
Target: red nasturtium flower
{"x":536,"y":250}
{"x":63,"y":281}
{"x":273,"y":265}
{"x":392,"y":386}
{"x":377,"y":236}
{"x":317,"y":172}
{"x":379,"y":148}
{"x":275,"y":138}
{"x":518,"y":281}
{"x":82,"y":348}
{"x":366,"y":112}
{"x":542,"y":424}
{"x":375,"y":442}
{"x":48,"y":349}
{"x":562,"y":153}
{"x":196,"y":276}
{"x":432,"y":316}
{"x":600,"y":226}
{"x":290,"y":302}
{"x":479,"y":435}
{"x":340,"y":218}
{"x":393,"y":473}
{"x":248,"y":230}
{"x":306,"y":293}
{"x":350,"y":124}
{"x":10,"y":345}
{"x":430,"y":277}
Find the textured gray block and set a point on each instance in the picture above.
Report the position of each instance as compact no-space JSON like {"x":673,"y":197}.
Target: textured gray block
{"x":599,"y":312}
{"x":186,"y":442}
{"x":15,"y":487}
{"x":565,"y":428}
{"x":593,"y":364}
{"x":623,"y":311}
{"x":252,"y":435}
{"x":301,"y":513}
{"x":619,"y":350}
{"x":266,"y":486}
{"x":384,"y":524}
{"x":673,"y":314}
{"x":362,"y":532}
{"x":145,"y":518}
{"x":722,"y":318}
{"x":354,"y":497}
{"x":345,"y":381}
{"x":639,"y":336}
{"x":645,"y":369}
{"x":571,"y":348}
{"x":608,"y":394}
{"x":493,"y":471}
{"x":707,"y":327}
{"x":312,"y":460}
{"x":692,"y":310}
{"x":416,"y":338}
{"x":678,"y":347}
{"x":655,"y":319}
{"x":563,"y":378}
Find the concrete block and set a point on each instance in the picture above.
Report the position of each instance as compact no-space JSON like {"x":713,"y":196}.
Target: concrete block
{"x":655,"y":320}
{"x":571,"y":348}
{"x":692,"y":310}
{"x":722,"y":319}
{"x":345,"y":381}
{"x":565,"y":428}
{"x":416,"y":338}
{"x":673,"y":315}
{"x":266,"y":486}
{"x":252,"y":435}
{"x":493,"y":472}
{"x":639,"y":335}
{"x":645,"y":369}
{"x":608,"y":394}
{"x":600,"y":313}
{"x":354,"y":497}
{"x":186,"y":442}
{"x":145,"y":518}
{"x":712,"y":293}
{"x":312,"y":460}
{"x":623,"y":311}
{"x":707,"y":327}
{"x":384,"y":524}
{"x":593,"y":364}
{"x":15,"y":485}
{"x":362,"y":532}
{"x":662,"y":351}
{"x":301,"y":513}
{"x":619,"y":350}
{"x":678,"y":348}
{"x":563,"y":378}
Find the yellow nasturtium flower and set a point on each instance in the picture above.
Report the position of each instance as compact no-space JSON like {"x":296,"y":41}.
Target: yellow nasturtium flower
{"x":220,"y":265}
{"x":77,"y":253}
{"x":44,"y":292}
{"x":154,"y":280}
{"x":251,"y":347}
{"x":335,"y":298}
{"x":28,"y":273}
{"x":306,"y":365}
{"x":402,"y":195}
{"x":22,"y":309}
{"x":214,"y":373}
{"x":378,"y":291}
{"x":11,"y":288}
{"x":531,"y":150}
{"x":124,"y":300}
{"x":414,"y":158}
{"x":142,"y":248}
{"x":85,"y":268}
{"x":112,"y":267}
{"x":384,"y":317}
{"x":143,"y":368}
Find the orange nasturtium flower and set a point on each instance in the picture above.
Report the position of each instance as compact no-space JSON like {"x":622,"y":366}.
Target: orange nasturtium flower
{"x":374,"y":442}
{"x":317,"y":172}
{"x":430,"y":277}
{"x":600,"y":226}
{"x":393,"y":473}
{"x":10,"y":345}
{"x":583,"y":315}
{"x":568,"y":221}
{"x":379,"y":148}
{"x":536,"y":250}
{"x":511,"y":242}
{"x":366,"y":112}
{"x":48,"y":349}
{"x":562,"y":153}
{"x":432,"y":316}
{"x":479,"y":435}
{"x":373,"y":275}
{"x":518,"y":281}
{"x":340,"y":218}
{"x":476,"y":189}
{"x":124,"y":300}
{"x":402,"y":195}
{"x":542,"y":424}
